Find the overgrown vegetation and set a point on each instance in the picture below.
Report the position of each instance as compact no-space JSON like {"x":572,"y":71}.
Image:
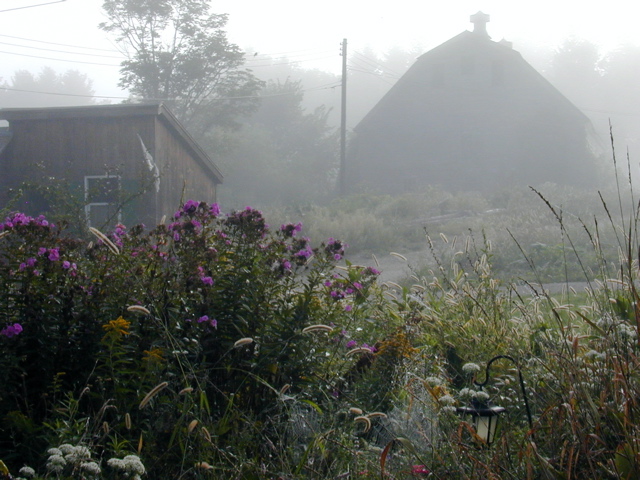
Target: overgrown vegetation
{"x":216,"y":346}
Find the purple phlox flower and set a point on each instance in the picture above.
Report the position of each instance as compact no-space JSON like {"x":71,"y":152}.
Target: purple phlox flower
{"x":290,"y":229}
{"x":371,"y":271}
{"x":54,"y":254}
{"x":11,"y":330}
{"x":207,"y":280}
{"x":337,"y":256}
{"x":348,"y":290}
{"x":215,"y":210}
{"x":351,"y":344}
{"x":72,"y":267}
{"x":327,"y":283}
{"x":176,"y":237}
{"x":357,"y":285}
{"x":337,"y":294}
{"x":17,"y":218}
{"x":31,"y":262}
{"x":286,"y":264}
{"x":213,"y":323}
{"x":306,"y":252}
{"x":204,"y":318}
{"x":348,"y":308}
{"x":22,"y":267}
{"x":190,"y":206}
{"x":42,"y":251}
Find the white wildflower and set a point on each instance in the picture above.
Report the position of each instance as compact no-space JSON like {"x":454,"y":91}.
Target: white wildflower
{"x":116,"y":463}
{"x":447,"y":400}
{"x":54,"y":451}
{"x":482,"y":396}
{"x":27,"y":472}
{"x":134,"y":465}
{"x":467,"y":392}
{"x":434,"y":381}
{"x":470,"y":368}
{"x":66,"y":448}
{"x":91,"y":467}
{"x":56,"y":463}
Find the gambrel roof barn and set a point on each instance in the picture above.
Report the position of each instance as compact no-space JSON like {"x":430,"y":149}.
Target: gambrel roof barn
{"x":470,"y":114}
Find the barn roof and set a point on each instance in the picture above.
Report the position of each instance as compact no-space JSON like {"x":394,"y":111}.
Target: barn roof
{"x":118,"y":111}
{"x":466,"y":43}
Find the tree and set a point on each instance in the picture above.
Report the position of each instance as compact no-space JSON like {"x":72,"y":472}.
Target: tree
{"x":177,"y":52}
{"x":46,"y":89}
{"x":283,"y":154}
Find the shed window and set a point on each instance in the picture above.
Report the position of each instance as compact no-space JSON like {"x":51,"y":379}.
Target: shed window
{"x":101,"y":194}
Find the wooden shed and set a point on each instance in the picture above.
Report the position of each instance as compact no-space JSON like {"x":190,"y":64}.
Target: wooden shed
{"x":470,"y":114}
{"x":130,"y":162}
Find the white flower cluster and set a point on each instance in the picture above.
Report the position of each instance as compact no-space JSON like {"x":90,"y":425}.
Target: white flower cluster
{"x":27,"y":472}
{"x":480,"y":395}
{"x":470,"y":368}
{"x":77,"y":456}
{"x":130,"y":465}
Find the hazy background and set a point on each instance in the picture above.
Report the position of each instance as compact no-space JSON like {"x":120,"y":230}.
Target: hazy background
{"x":309,"y":33}
{"x":590,"y":51}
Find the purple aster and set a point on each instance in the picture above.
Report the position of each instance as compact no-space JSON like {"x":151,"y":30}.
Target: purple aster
{"x":190,"y":206}
{"x":351,"y":344}
{"x":11,"y":330}
{"x":204,"y":318}
{"x":207,"y":281}
{"x":214,"y":210}
{"x":348,"y":308}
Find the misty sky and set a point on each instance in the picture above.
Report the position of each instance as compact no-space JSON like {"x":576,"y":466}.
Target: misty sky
{"x":309,"y":32}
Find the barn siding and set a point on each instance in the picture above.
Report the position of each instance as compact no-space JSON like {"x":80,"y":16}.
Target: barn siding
{"x":71,"y":143}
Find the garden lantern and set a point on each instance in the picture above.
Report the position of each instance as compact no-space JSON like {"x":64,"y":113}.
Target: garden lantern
{"x":485,"y":417}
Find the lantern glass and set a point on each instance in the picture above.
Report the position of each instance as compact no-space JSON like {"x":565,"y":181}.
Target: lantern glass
{"x":484,"y":419}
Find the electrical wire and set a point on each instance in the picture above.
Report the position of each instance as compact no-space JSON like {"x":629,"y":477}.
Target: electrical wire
{"x":327,"y":86}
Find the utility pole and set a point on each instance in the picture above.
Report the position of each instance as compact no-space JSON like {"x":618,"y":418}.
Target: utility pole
{"x":343,"y":123}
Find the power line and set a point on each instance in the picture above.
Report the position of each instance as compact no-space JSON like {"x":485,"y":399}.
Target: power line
{"x":31,"y":6}
{"x":59,"y":59}
{"x":59,"y":51}
{"x":59,"y":44}
{"x":319,"y":87}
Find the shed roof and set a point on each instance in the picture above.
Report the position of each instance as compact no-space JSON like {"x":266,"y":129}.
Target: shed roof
{"x":118,"y":111}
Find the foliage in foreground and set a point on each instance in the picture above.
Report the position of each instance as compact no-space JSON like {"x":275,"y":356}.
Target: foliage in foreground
{"x":216,"y":347}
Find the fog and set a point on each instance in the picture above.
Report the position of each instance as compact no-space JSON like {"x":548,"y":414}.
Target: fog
{"x":54,"y":54}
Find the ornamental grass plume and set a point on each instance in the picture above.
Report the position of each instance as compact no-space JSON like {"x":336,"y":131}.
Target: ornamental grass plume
{"x":138,"y":308}
{"x":154,"y":391}
{"x":105,"y":239}
{"x":316,"y":328}
{"x":243,"y":341}
{"x":366,"y":421}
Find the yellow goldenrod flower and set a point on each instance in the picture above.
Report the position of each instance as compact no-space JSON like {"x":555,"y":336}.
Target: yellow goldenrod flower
{"x":117,"y":327}
{"x":153,"y":355}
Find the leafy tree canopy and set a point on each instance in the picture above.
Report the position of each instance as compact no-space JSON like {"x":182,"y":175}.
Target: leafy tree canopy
{"x":46,"y":89}
{"x":177,"y":51}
